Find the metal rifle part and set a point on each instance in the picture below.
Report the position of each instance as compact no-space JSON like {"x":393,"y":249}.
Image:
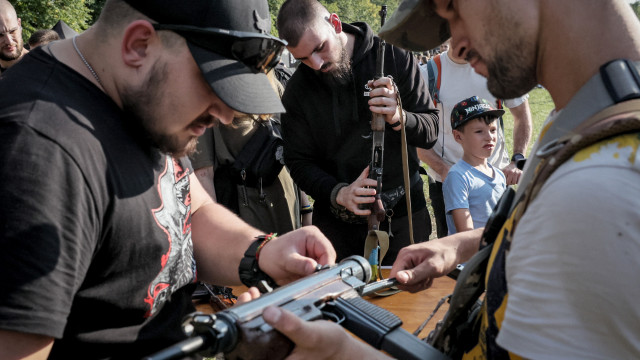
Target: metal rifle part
{"x":331,"y":293}
{"x":241,"y":329}
{"x":377,"y":151}
{"x":378,"y":285}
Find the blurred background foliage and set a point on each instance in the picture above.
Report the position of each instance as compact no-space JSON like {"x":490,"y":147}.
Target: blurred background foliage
{"x":80,"y":14}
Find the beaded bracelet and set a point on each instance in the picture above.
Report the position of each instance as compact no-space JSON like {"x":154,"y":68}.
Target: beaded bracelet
{"x":265,"y":239}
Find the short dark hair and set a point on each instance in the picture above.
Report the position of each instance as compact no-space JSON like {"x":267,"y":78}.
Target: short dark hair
{"x":116,"y":14}
{"x":43,"y":36}
{"x":488,"y":119}
{"x":296,"y":16}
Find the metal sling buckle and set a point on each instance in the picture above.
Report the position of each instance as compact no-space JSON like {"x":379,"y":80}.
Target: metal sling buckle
{"x":550,"y":148}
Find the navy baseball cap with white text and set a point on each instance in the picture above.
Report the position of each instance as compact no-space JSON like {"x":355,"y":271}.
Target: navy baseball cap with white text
{"x":472,"y":108}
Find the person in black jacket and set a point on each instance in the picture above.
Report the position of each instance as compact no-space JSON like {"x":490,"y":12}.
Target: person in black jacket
{"x":329,"y":102}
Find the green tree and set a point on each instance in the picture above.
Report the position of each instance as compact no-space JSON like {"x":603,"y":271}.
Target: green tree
{"x":95,"y":7}
{"x":44,"y":14}
{"x":636,"y":8}
{"x":80,"y":14}
{"x":361,"y":10}
{"x":274,"y":7}
{"x":348,"y":11}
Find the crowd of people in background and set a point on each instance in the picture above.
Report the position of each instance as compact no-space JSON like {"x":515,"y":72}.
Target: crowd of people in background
{"x":214,"y":159}
{"x":286,"y":207}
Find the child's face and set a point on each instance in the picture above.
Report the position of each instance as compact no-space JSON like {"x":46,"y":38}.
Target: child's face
{"x":477,"y":138}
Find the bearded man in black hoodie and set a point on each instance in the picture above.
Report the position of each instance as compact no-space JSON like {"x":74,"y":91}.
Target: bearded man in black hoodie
{"x":329,"y":102}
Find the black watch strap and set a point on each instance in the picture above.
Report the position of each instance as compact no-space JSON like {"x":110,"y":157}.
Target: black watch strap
{"x":250,"y":273}
{"x":517,"y":157}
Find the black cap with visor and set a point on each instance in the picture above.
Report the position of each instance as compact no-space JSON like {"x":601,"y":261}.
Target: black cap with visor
{"x":230,"y":42}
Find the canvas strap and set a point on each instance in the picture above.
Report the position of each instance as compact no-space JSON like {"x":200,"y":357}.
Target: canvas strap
{"x":405,"y":164}
{"x":615,"y":120}
{"x":616,"y":82}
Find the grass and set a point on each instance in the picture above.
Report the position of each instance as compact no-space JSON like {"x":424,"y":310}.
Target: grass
{"x":540,"y":104}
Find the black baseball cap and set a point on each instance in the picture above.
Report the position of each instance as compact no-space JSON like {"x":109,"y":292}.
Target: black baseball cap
{"x":231,"y":43}
{"x":471,"y":108}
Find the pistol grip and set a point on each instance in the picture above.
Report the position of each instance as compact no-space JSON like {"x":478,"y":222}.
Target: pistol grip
{"x":381,"y":329}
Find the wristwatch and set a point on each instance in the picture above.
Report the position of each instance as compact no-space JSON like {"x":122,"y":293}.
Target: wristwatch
{"x":517,"y":157}
{"x":519,"y":160}
{"x":250,"y":273}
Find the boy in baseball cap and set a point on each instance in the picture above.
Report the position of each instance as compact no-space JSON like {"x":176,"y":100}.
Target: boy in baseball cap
{"x":473,"y":187}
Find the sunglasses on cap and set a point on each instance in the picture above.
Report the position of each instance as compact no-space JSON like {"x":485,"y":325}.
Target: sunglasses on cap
{"x":259,"y":52}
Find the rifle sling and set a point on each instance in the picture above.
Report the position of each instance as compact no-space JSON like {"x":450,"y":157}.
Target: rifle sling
{"x":374,"y":239}
{"x":405,"y":164}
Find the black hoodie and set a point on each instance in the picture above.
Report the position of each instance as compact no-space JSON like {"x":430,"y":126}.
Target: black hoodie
{"x":326,"y":128}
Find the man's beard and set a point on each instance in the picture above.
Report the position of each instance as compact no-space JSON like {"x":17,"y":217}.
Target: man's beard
{"x":510,"y":78}
{"x":13,"y":56}
{"x":141,"y":106}
{"x":512,"y":66}
{"x":341,"y":74}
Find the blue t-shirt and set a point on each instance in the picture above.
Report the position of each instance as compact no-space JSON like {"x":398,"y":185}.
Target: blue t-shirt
{"x":466,"y":187}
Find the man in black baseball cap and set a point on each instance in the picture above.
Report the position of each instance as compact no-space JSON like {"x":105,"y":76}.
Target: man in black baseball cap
{"x":231,"y":43}
{"x":105,"y":229}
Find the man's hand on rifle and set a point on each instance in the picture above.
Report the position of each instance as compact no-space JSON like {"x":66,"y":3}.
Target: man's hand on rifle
{"x":361,"y":191}
{"x":296,"y":254}
{"x":384,"y":100}
{"x":417,"y":265}
{"x":318,"y":339}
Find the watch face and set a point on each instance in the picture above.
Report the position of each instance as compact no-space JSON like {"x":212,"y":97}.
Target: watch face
{"x":517,"y":157}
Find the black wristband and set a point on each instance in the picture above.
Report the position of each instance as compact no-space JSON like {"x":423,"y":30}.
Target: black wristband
{"x":395,"y":124}
{"x":250,"y":273}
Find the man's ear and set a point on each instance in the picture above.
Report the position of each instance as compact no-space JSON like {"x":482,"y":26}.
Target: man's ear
{"x":334,"y":20}
{"x":138,"y":36}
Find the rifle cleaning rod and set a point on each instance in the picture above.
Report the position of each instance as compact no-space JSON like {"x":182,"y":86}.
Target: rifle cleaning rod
{"x":378,"y":285}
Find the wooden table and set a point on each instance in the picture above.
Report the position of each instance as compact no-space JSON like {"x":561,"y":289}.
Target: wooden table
{"x":412,"y":309}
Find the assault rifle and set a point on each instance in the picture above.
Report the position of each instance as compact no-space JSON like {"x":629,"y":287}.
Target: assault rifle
{"x":377,"y":130}
{"x":331,"y":293}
